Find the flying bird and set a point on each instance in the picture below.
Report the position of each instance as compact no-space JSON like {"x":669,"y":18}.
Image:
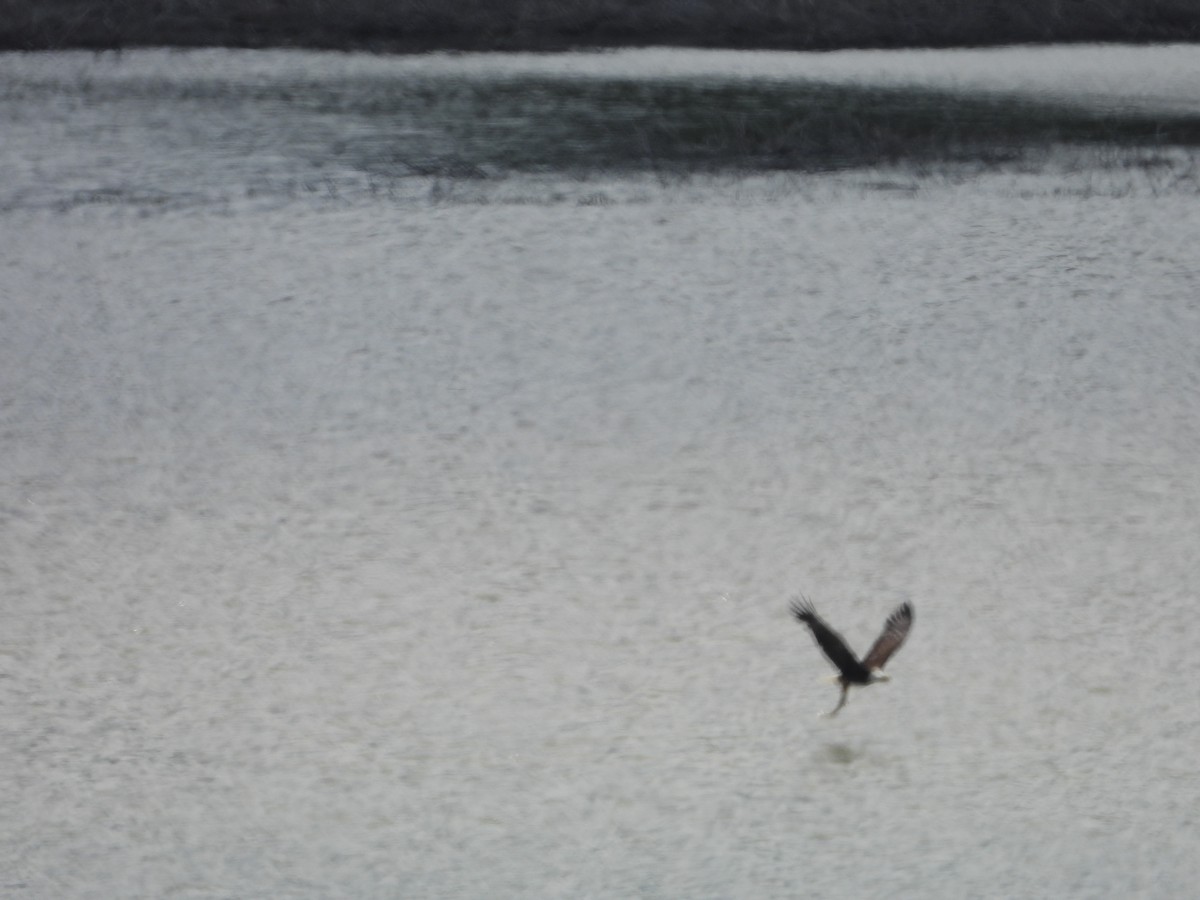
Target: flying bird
{"x":853,"y":671}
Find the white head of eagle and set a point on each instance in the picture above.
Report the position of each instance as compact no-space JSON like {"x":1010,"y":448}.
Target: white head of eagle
{"x":852,"y":670}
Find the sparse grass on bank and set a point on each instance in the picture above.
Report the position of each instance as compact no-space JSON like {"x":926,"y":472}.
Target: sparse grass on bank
{"x":417,"y":25}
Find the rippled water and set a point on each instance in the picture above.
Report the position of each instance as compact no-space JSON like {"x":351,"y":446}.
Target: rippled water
{"x":435,"y":540}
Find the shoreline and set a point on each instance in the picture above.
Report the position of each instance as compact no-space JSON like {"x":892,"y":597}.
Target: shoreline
{"x":413,"y":27}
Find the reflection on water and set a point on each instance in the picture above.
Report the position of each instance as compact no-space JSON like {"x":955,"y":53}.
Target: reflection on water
{"x":840,"y":754}
{"x":366,"y":540}
{"x":158,"y":128}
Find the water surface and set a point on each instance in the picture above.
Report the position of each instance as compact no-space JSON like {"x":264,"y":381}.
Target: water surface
{"x":434,"y":538}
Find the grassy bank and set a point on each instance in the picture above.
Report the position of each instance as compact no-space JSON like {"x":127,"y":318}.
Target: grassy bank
{"x":415,"y":25}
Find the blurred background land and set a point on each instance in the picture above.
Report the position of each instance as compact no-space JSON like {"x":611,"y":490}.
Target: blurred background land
{"x":421,"y":25}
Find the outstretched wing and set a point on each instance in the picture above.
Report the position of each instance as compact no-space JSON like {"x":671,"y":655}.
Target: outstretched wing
{"x":895,"y":630}
{"x":828,"y":639}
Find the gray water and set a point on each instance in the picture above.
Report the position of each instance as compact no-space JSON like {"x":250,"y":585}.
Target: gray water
{"x":435,"y":538}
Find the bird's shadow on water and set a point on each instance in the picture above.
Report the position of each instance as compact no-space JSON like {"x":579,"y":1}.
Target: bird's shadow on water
{"x":839,"y":753}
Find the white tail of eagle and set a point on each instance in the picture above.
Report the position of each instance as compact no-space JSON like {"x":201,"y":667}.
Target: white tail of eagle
{"x":851,"y":670}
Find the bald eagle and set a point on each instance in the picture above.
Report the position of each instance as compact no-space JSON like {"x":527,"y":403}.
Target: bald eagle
{"x":853,"y":671}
